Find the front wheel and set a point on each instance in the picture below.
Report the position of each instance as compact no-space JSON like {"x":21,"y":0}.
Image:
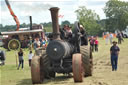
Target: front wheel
{"x":78,"y":70}
{"x":35,"y":70}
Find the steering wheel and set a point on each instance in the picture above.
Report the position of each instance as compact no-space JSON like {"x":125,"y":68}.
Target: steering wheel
{"x":77,"y":34}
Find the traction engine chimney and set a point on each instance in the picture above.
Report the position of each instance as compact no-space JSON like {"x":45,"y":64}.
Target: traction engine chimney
{"x":55,"y":25}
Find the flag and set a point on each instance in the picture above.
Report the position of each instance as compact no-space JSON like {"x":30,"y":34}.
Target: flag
{"x":60,"y":16}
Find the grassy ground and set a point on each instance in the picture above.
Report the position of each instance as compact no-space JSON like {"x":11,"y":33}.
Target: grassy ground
{"x":9,"y":75}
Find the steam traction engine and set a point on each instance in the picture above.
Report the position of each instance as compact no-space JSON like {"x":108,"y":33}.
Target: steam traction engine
{"x":62,"y":56}
{"x":20,"y":38}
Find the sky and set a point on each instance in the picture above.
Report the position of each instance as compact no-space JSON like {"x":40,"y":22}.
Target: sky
{"x":39,"y":10}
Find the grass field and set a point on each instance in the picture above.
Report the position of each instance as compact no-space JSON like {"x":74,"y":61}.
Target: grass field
{"x":9,"y":75}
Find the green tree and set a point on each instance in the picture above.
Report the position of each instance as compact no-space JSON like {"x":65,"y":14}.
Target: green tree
{"x":9,"y":28}
{"x":117,"y":15}
{"x":88,"y":19}
{"x":1,"y":27}
{"x":47,"y":26}
{"x":66,"y":22}
{"x":23,"y":25}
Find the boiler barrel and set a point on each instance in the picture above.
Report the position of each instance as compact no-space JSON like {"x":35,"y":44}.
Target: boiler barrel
{"x":58,"y":49}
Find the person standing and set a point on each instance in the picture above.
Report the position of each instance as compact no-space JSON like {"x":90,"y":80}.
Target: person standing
{"x":38,"y":42}
{"x":110,"y":37}
{"x":2,"y":57}
{"x":114,"y":51}
{"x":43,"y":42}
{"x":103,"y":35}
{"x":92,"y":42}
{"x":30,"y":55}
{"x":35,"y":44}
{"x":67,"y":32}
{"x":96,"y":44}
{"x":21,"y":60}
{"x":107,"y":38}
{"x":30,"y":43}
{"x":119,"y":36}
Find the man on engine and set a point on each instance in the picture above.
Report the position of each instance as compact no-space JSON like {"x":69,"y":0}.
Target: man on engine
{"x":84,"y":39}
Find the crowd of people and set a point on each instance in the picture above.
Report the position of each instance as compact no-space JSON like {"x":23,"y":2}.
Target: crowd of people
{"x":114,"y":49}
{"x":39,"y":42}
{"x":94,"y":43}
{"x":109,"y":37}
{"x":66,"y":35}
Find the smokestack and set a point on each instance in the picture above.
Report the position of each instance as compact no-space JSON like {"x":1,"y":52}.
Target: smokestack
{"x":30,"y":22}
{"x":55,"y":25}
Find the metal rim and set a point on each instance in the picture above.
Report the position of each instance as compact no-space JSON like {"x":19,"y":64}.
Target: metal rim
{"x":78,"y":70}
{"x":14,"y":44}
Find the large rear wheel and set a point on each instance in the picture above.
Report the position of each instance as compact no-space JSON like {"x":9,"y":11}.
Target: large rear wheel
{"x":87,"y":60}
{"x":77,"y":66}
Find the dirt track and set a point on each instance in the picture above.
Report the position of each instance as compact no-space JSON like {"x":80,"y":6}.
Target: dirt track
{"x":102,"y":73}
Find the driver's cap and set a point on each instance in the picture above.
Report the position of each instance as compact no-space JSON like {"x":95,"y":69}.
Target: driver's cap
{"x":81,"y":26}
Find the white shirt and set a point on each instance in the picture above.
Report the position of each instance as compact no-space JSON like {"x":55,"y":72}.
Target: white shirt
{"x":30,"y":56}
{"x":38,"y":43}
{"x":111,"y":35}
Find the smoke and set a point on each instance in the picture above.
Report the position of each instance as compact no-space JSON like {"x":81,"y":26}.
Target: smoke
{"x":32,"y":6}
{"x":26,"y":6}
{"x":22,"y":9}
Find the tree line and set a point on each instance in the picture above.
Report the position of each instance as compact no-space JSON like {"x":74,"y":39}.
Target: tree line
{"x":116,"y":12}
{"x":24,"y":25}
